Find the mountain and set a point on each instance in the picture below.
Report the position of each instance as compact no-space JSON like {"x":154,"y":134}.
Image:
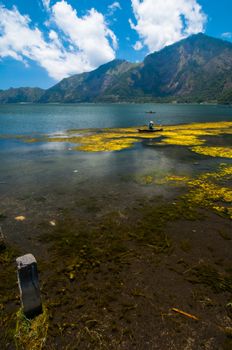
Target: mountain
{"x":196,"y":69}
{"x":89,"y":87}
{"x":23,"y":94}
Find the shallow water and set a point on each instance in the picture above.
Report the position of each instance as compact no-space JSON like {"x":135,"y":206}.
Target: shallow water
{"x":48,"y":166}
{"x":38,"y":177}
{"x":108,"y":221}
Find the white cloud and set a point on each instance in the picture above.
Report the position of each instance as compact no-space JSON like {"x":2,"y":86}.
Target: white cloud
{"x":115,"y":6}
{"x":227,"y":35}
{"x":79,"y":44}
{"x":163,"y":22}
{"x":88,"y":34}
{"x":46,"y":4}
{"x":138,"y":45}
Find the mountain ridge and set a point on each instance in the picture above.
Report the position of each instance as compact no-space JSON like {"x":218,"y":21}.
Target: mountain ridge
{"x":195,"y":69}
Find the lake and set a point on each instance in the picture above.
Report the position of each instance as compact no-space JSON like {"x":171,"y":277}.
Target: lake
{"x":125,"y":226}
{"x":27,"y":119}
{"x":38,"y":177}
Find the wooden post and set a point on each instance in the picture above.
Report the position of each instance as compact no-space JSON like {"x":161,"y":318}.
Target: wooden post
{"x":29,"y":285}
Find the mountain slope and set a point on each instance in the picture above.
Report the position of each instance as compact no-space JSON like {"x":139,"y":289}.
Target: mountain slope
{"x":23,"y":94}
{"x":87,"y":87}
{"x":196,"y":69}
{"x":199,"y":67}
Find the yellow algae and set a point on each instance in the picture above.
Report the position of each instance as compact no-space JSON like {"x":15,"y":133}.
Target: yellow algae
{"x":201,"y":126}
{"x":192,"y":134}
{"x":104,"y":140}
{"x":181,"y":140}
{"x":145,"y":180}
{"x":177,"y":178}
{"x":207,"y":191}
{"x":203,"y":191}
{"x":31,"y":334}
{"x":106,"y":146}
{"x":115,"y":139}
{"x":158,"y":179}
{"x":223,"y":152}
{"x":229,"y":211}
{"x":74,"y":139}
{"x":224,"y":172}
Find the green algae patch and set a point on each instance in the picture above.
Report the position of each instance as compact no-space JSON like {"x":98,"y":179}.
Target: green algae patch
{"x":31,"y":334}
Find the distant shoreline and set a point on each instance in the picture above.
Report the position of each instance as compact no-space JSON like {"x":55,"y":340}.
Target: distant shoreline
{"x":118,"y":103}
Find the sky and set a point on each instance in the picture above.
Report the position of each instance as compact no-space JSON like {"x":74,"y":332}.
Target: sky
{"x":44,"y":41}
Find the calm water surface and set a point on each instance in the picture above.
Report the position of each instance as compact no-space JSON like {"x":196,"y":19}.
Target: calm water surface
{"x":27,"y":119}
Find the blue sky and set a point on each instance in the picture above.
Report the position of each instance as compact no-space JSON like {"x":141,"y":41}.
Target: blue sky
{"x":43,"y":41}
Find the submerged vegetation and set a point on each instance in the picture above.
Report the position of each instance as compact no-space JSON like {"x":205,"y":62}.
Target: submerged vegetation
{"x":207,"y":190}
{"x":111,"y":278}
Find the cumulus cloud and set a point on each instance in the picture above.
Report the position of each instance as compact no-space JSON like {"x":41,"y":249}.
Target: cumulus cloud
{"x":77,"y":45}
{"x":163,"y":22}
{"x":88,"y":34}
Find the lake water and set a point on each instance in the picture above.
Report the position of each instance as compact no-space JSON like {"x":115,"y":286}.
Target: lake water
{"x":39,"y":178}
{"x":27,"y":119}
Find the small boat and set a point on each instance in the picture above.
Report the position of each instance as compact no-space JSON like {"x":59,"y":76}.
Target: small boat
{"x":150,"y":130}
{"x":150,"y":112}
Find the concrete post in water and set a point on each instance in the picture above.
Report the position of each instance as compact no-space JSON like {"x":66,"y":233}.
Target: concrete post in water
{"x":29,"y":285}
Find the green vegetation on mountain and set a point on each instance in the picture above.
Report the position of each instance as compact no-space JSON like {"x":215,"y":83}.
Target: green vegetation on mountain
{"x":88,"y":87}
{"x":21,"y":95}
{"x":196,"y":69}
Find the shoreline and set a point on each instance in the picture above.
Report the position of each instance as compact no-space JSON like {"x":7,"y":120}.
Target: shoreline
{"x":124,"y":271}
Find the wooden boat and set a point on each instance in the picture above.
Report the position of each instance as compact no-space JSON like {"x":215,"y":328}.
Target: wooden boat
{"x":150,"y":112}
{"x":150,"y":130}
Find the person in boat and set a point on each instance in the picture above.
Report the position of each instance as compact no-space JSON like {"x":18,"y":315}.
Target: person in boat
{"x":151,"y":125}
